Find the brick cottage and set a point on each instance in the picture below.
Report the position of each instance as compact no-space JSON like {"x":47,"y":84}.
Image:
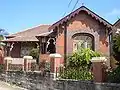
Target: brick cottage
{"x":81,"y":28}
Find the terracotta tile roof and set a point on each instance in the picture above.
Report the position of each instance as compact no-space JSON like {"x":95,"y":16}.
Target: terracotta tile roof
{"x":44,"y":34}
{"x":21,"y":39}
{"x":85,"y":9}
{"x":29,"y":34}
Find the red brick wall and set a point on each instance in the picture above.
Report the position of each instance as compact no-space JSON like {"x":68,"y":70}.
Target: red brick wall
{"x":44,"y":57}
{"x":60,"y":45}
{"x":83,"y":23}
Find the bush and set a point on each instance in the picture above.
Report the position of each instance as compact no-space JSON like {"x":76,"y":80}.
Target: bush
{"x":81,"y":58}
{"x":116,"y":47}
{"x":77,"y":74}
{"x":114,"y":76}
{"x":1,"y":67}
{"x":35,"y":54}
{"x":78,"y":65}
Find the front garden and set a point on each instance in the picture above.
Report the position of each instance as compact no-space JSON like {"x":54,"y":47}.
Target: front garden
{"x":78,"y":65}
{"x":76,"y":74}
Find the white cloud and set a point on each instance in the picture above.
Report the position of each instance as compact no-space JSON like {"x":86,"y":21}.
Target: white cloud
{"x":114,"y":12}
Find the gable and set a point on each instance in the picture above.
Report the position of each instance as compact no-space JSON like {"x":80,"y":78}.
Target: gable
{"x":83,"y":21}
{"x":76,"y":12}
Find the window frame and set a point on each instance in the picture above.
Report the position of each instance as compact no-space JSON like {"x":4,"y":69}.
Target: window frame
{"x":84,"y":34}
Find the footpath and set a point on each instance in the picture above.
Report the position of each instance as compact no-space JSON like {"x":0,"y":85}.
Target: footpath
{"x":6,"y":86}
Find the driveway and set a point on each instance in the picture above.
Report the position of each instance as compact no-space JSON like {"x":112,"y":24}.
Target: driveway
{"x":5,"y":86}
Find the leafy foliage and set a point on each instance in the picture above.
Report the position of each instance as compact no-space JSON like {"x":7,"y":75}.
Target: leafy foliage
{"x":3,"y":33}
{"x":116,"y":47}
{"x":77,"y":74}
{"x":116,"y":42}
{"x":78,"y":65}
{"x":81,"y":58}
{"x":1,"y":37}
{"x":114,"y":76}
{"x":1,"y":67}
{"x":34,"y":53}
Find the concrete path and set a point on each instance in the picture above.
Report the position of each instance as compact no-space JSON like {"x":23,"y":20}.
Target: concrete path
{"x":6,"y":86}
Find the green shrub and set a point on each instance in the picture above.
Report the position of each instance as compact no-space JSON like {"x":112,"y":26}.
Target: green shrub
{"x":81,"y":58}
{"x":35,"y":54}
{"x":78,"y":65}
{"x":1,"y":67}
{"x":77,"y":74}
{"x":116,"y":48}
{"x":114,"y":76}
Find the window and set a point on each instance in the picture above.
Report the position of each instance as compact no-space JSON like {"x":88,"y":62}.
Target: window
{"x":43,"y":48}
{"x":83,"y":40}
{"x":25,"y":49}
{"x":51,"y":46}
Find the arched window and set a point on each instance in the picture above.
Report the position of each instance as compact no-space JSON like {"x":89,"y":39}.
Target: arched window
{"x":83,"y":40}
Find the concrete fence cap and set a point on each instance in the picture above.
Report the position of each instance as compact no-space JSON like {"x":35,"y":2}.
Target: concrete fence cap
{"x":55,"y":55}
{"x":8,"y":58}
{"x":98,"y":59}
{"x":27,"y":57}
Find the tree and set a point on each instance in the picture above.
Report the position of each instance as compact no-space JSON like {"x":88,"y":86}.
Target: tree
{"x":3,"y":33}
{"x":116,"y":47}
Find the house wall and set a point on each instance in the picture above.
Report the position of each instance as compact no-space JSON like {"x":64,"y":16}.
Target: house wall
{"x":83,"y":23}
{"x":117,"y":25}
{"x":60,"y":45}
{"x":15,"y":53}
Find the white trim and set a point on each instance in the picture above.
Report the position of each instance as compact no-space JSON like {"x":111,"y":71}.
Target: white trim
{"x":55,"y":55}
{"x":98,"y":59}
{"x":27,"y":57}
{"x":8,"y":58}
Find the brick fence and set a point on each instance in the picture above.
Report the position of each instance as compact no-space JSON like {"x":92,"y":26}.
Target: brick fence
{"x":38,"y":81}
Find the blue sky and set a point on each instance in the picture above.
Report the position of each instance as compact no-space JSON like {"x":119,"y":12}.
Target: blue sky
{"x":18,"y":15}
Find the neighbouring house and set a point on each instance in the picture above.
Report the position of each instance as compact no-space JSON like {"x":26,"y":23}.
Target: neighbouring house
{"x":20,"y":44}
{"x":116,"y":25}
{"x":81,"y":28}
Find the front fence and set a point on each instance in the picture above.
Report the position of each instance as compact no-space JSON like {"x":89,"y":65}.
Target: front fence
{"x":37,"y":81}
{"x":19,"y":64}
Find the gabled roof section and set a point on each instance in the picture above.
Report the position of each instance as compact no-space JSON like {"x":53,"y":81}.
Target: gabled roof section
{"x":89,"y":12}
{"x":117,"y":22}
{"x":28,"y":35}
{"x":32,"y":31}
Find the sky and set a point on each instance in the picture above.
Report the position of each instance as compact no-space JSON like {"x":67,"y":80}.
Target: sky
{"x":18,"y":15}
